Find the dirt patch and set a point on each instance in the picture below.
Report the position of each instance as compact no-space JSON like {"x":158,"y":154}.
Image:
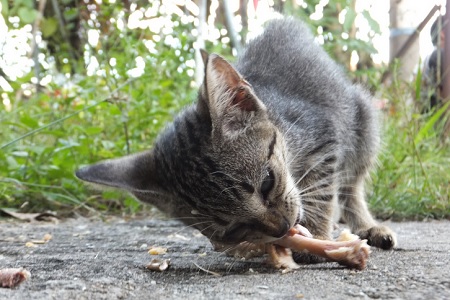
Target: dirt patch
{"x":106,"y":260}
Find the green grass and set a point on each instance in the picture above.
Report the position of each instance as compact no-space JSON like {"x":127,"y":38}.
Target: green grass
{"x":413,"y":177}
{"x":45,"y":136}
{"x":412,"y":180}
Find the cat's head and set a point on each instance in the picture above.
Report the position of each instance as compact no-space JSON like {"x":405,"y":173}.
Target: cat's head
{"x":220,"y":167}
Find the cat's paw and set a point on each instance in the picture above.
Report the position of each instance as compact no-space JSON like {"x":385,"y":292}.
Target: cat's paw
{"x":379,"y":236}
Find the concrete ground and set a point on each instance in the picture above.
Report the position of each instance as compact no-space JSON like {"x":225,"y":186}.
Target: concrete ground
{"x":106,"y":260}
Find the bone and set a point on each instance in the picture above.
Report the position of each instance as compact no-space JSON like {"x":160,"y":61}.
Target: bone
{"x":347,"y":250}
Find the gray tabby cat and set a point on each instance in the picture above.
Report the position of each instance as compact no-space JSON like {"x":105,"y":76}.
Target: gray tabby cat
{"x":276,"y":140}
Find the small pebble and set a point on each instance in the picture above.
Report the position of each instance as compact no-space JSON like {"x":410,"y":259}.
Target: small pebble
{"x":265,"y":287}
{"x":157,"y":251}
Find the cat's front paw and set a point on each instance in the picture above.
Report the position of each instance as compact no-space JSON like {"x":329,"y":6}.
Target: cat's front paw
{"x":379,"y":236}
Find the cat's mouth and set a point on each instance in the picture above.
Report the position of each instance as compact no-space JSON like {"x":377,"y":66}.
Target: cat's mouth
{"x":256,"y":231}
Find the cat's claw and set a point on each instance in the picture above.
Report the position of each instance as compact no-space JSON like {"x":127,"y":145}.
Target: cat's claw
{"x":379,"y":236}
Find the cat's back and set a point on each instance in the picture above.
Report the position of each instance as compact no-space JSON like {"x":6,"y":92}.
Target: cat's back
{"x":306,"y":92}
{"x":287,"y":58}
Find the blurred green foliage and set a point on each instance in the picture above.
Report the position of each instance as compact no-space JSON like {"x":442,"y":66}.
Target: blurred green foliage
{"x":413,"y":178}
{"x":109,"y":113}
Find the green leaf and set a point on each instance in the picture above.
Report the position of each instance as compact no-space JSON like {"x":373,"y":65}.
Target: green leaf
{"x":71,"y":14}
{"x":29,"y":122}
{"x":93,"y":130}
{"x":5,"y":9}
{"x":424,"y":131}
{"x":418,"y":83}
{"x":372,"y":23}
{"x":132,"y":204}
{"x":49,"y":26}
{"x":108,"y":145}
{"x":20,"y":153}
{"x":27,"y":15}
{"x":27,"y":3}
{"x":349,"y":19}
{"x":111,"y":194}
{"x":12,"y":163}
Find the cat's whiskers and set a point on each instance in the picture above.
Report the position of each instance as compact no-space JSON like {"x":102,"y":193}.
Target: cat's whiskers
{"x":309,"y":170}
{"x":191,"y":226}
{"x":195,"y":212}
{"x":206,"y":228}
{"x":319,"y":186}
{"x":226,"y":174}
{"x":190,"y":218}
{"x":306,"y":173}
{"x":198,"y":223}
{"x":212,"y":234}
{"x":141,"y":191}
{"x":231,"y":265}
{"x":315,"y":186}
{"x":224,"y":252}
{"x":317,"y":193}
{"x":294,"y":123}
{"x":228,"y":252}
{"x":314,"y":210}
{"x":227,"y":188}
{"x":229,"y":248}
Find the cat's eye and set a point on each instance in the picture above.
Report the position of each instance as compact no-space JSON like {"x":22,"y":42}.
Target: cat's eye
{"x":267,"y":184}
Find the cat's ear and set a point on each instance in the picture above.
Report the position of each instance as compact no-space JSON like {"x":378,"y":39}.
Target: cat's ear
{"x":204,"y":55}
{"x":230,"y":100}
{"x":133,"y":173}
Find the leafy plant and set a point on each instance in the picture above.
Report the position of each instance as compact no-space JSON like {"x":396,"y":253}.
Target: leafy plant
{"x":412,"y":179}
{"x":112,"y":109}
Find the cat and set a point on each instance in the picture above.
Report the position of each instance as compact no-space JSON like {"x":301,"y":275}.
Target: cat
{"x":276,"y":140}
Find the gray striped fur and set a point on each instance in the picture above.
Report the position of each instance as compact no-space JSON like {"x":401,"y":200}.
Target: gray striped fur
{"x":278,"y":139}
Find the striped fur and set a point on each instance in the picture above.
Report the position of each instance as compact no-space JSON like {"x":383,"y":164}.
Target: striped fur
{"x":275,"y":140}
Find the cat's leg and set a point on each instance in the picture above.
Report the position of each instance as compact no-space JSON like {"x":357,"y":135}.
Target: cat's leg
{"x":355,"y":213}
{"x":318,"y":202}
{"x":318,"y":215}
{"x":318,"y":188}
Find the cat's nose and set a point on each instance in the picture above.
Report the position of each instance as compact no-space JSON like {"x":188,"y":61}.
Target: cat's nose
{"x":283,"y":229}
{"x":274,"y":224}
{"x":276,"y":227}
